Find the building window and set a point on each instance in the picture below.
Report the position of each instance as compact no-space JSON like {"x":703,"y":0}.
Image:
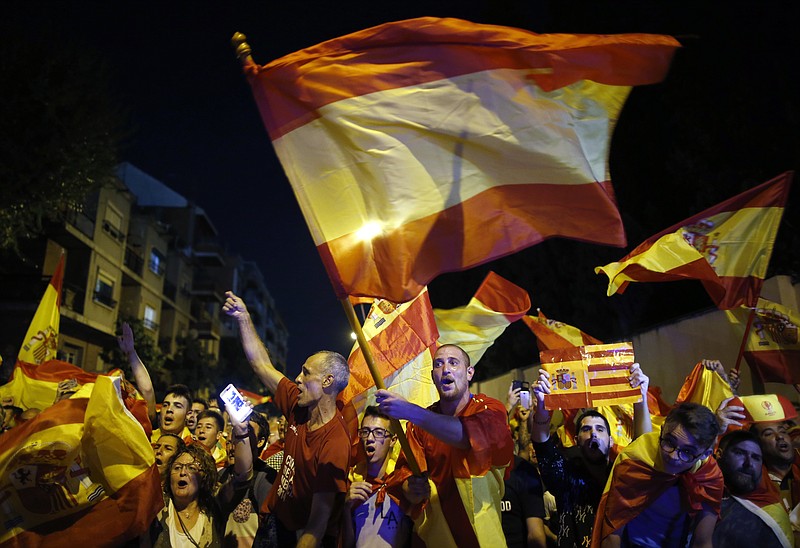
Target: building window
{"x":150,"y":318}
{"x":156,"y":262}
{"x":112,"y":223}
{"x":72,"y":354}
{"x":104,"y":289}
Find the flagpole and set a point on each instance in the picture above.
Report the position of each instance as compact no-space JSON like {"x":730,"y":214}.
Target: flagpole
{"x":244,"y":54}
{"x":397,"y":428}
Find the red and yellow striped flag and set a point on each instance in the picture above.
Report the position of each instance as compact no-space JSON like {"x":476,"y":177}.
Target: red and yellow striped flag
{"x":41,"y":340}
{"x":432,"y":145}
{"x":773,"y":345}
{"x":81,"y":470}
{"x":727,"y":247}
{"x":497,"y":304}
{"x":554,"y":334}
{"x":402,"y":339}
{"x":589,"y":376}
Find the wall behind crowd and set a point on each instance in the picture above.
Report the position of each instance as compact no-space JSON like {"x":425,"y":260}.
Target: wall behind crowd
{"x":668,"y":352}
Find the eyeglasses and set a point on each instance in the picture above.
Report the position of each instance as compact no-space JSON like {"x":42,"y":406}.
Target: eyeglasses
{"x":378,"y":433}
{"x":670,"y":447}
{"x":190,"y":467}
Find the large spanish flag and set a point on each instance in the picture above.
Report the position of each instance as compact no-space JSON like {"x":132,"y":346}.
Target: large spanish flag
{"x":772,"y":348}
{"x":432,"y":145}
{"x":727,"y":247}
{"x":81,"y":471}
{"x":41,"y":340}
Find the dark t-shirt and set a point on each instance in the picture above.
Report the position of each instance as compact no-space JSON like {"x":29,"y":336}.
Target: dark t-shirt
{"x":577,"y":486}
{"x":740,"y":528}
{"x":522,"y":500}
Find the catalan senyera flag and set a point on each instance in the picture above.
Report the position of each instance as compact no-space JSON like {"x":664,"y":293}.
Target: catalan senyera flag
{"x":497,"y":304}
{"x":554,"y":334}
{"x":773,"y":347}
{"x":589,"y":376}
{"x":402,"y":339}
{"x":81,"y":469}
{"x":727,"y":247}
{"x":41,"y":340}
{"x":432,"y":145}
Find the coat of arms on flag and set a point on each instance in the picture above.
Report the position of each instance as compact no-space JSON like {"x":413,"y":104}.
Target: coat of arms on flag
{"x":589,"y":376}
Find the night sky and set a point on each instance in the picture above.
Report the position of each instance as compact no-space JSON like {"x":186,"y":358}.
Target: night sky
{"x":194,"y":125}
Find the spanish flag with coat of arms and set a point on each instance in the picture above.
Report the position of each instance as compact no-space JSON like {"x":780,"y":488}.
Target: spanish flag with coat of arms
{"x":727,"y":247}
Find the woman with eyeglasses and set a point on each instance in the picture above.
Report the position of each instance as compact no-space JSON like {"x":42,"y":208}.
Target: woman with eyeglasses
{"x":193,"y":516}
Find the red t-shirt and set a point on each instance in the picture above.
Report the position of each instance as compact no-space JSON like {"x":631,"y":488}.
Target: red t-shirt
{"x":485,"y":422}
{"x":313,"y":462}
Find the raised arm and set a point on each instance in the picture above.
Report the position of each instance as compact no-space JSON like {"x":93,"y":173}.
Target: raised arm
{"x":445,"y":427}
{"x":539,"y":422}
{"x":254,"y":348}
{"x":243,"y":454}
{"x":642,"y":422}
{"x":140,"y":374}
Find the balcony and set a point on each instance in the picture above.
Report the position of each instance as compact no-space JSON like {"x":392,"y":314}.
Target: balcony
{"x":113,"y":231}
{"x":82,"y":222}
{"x":133,"y":261}
{"x":73,"y":297}
{"x":150,"y":324}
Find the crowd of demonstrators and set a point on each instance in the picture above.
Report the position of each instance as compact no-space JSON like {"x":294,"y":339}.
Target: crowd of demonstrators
{"x":484,"y":472}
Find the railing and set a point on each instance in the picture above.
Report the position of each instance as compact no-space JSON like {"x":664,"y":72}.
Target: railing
{"x":150,"y":324}
{"x":133,"y":261}
{"x":113,"y":231}
{"x":103,"y":298}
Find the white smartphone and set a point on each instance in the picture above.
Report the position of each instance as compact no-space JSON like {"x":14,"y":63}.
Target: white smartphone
{"x":236,"y":405}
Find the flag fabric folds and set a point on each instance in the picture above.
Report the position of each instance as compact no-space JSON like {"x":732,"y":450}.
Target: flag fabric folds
{"x":588,"y":376}
{"x":497,"y":304}
{"x":432,"y":145}
{"x":705,"y":387}
{"x":402,"y":339}
{"x":82,"y":469}
{"x":727,"y":247}
{"x":772,"y":348}
{"x":41,"y":340}
{"x":554,"y":334}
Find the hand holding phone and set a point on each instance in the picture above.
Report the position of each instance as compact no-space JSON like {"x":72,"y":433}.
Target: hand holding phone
{"x":524,"y":393}
{"x":235,"y":404}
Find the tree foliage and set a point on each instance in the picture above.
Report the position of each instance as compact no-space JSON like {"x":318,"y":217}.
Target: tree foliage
{"x":59,"y":138}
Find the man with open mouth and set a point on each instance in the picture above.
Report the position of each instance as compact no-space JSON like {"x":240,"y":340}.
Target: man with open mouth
{"x":374,"y":516}
{"x":305,"y":503}
{"x":463,"y":446}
